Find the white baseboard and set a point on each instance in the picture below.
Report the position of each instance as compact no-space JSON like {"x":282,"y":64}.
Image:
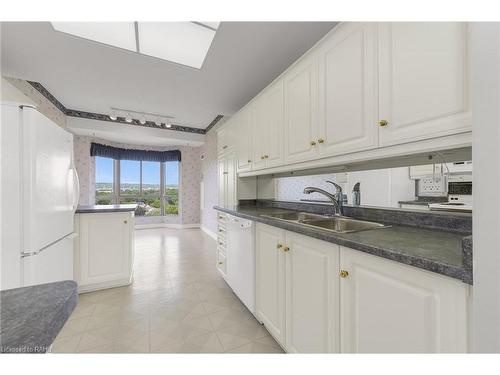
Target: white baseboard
{"x":209,"y":232}
{"x":165,"y":225}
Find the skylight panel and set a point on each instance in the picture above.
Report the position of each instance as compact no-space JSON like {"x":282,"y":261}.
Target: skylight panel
{"x":185,"y":43}
{"x":118,"y":34}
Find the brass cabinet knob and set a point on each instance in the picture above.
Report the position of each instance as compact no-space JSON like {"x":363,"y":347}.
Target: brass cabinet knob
{"x":220,"y":263}
{"x":266,"y":156}
{"x":321,"y":140}
{"x":262,"y":157}
{"x":344,"y":274}
{"x":383,"y":122}
{"x":279,"y":246}
{"x":313,"y":143}
{"x":249,"y":161}
{"x":286,"y":248}
{"x":224,"y":147}
{"x":125,"y":221}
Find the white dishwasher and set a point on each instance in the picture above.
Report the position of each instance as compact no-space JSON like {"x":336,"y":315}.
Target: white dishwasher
{"x":240,"y":260}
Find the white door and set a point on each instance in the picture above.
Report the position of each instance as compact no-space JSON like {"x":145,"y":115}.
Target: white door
{"x":423,"y":80}
{"x":389,"y":307}
{"x":348,"y":103}
{"x":54,"y":263}
{"x":270,"y":279}
{"x":301,"y":110}
{"x":47,"y":181}
{"x":105,"y":248}
{"x":312,"y":295}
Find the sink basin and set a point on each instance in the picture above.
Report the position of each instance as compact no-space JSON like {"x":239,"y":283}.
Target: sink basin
{"x":342,"y":224}
{"x":329,"y":223}
{"x":296,"y":216}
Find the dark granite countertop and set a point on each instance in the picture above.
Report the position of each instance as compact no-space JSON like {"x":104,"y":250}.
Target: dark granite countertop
{"x":92,"y":209}
{"x":31,"y":317}
{"x":446,"y":253}
{"x":424,"y":201}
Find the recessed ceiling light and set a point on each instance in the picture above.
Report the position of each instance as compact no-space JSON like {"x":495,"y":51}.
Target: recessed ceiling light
{"x":185,"y":43}
{"x":118,"y":34}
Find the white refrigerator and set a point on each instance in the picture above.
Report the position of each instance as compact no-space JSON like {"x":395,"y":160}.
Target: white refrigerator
{"x":39,"y":197}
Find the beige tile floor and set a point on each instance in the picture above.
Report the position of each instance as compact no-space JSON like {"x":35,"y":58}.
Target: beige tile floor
{"x":177,"y":303}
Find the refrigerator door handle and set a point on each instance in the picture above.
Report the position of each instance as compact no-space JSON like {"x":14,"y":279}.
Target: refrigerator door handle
{"x":69,"y":236}
{"x":76,"y":191}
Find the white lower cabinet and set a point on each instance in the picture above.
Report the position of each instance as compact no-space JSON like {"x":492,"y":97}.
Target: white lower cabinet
{"x":317,"y":297}
{"x":104,"y":252}
{"x":297,"y":290}
{"x":270,"y":280}
{"x":312,"y":291}
{"x":389,"y":307}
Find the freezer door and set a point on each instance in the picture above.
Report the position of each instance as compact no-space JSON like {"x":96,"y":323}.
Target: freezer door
{"x":48,"y":181}
{"x":54,"y":263}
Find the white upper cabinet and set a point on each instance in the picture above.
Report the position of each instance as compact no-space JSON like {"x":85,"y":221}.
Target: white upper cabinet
{"x":348,"y":97}
{"x":227,"y":137}
{"x":389,"y":307}
{"x":423,"y":74}
{"x":267,"y":125}
{"x":243,"y":136}
{"x":300,"y":85}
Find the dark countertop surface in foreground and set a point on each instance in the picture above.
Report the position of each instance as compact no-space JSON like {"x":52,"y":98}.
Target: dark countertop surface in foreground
{"x":446,"y":253}
{"x":91,"y":209}
{"x":31,"y":317}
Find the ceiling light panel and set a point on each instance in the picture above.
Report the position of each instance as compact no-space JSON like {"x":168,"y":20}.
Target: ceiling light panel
{"x":185,"y":43}
{"x":118,"y":34}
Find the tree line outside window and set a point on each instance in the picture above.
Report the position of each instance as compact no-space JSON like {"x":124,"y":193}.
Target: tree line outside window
{"x":153,"y":186}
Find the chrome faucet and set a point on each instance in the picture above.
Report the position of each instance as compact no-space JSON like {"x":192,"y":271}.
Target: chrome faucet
{"x":337,"y":210}
{"x":339,"y":195}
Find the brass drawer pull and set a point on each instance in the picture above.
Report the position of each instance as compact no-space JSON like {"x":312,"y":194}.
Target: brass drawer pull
{"x":286,"y":249}
{"x":279,"y":246}
{"x":313,"y":143}
{"x":383,"y":122}
{"x":321,"y":140}
{"x":344,"y":274}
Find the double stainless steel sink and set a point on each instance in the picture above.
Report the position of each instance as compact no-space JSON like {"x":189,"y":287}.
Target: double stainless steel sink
{"x":337,"y":224}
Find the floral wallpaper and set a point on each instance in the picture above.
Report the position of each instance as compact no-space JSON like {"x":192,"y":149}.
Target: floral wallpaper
{"x":190,"y":176}
{"x":209,"y":178}
{"x":43,"y":105}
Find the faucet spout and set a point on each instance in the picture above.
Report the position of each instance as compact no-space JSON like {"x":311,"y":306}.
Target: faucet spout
{"x":336,"y":206}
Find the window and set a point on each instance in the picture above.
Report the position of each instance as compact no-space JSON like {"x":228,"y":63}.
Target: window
{"x":139,"y":182}
{"x":171,"y":197}
{"x":104,"y":180}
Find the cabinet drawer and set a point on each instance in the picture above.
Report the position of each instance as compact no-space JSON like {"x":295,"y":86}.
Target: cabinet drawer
{"x":221,"y":262}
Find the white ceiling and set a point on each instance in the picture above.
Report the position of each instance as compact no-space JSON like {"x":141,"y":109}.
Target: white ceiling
{"x":88,"y":76}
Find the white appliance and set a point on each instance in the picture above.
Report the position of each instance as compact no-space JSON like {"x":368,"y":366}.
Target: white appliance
{"x":459,"y":194}
{"x":240,"y":260}
{"x":40,"y":191}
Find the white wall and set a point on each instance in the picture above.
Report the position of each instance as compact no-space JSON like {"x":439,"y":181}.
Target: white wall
{"x":485,"y":90}
{"x":379,"y":187}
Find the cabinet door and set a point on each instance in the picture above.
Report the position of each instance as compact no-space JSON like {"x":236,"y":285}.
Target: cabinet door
{"x":105,"y":248}
{"x":312,"y":295}
{"x":301,"y":110}
{"x":243,"y":140}
{"x":230,"y":192}
{"x":273,"y":124}
{"x":348,"y":104}
{"x":222,"y":181}
{"x":423,"y":78}
{"x":389,"y":307}
{"x":222,"y":144}
{"x":260,"y":140}
{"x":270,"y":280}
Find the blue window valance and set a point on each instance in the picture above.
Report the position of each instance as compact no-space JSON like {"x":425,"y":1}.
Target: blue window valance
{"x":97,"y":149}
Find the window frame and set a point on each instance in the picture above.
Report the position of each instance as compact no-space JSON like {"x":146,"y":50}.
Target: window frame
{"x":117,"y":185}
